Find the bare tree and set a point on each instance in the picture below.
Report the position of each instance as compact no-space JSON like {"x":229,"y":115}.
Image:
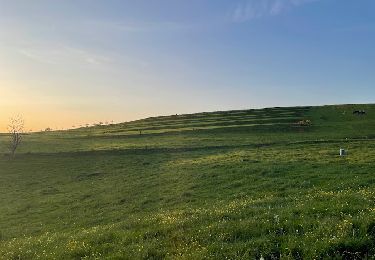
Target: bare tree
{"x":16,"y":130}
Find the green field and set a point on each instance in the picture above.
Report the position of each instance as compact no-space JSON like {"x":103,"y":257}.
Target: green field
{"x":224,"y":185}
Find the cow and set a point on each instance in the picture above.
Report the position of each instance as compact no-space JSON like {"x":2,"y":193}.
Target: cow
{"x":359,"y":112}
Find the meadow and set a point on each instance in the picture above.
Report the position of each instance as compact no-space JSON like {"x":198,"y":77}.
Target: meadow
{"x":240,"y":184}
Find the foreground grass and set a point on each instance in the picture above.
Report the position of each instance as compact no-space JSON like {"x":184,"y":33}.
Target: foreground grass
{"x":240,"y":192}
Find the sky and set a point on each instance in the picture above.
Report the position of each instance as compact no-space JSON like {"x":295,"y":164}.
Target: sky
{"x":75,"y":62}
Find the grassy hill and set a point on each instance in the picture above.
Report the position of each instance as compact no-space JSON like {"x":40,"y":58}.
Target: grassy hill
{"x":222,"y":185}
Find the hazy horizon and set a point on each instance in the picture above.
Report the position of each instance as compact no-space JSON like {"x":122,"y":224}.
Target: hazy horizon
{"x":77,"y":62}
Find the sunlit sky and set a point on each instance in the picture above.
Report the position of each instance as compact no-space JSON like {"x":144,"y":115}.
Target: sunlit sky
{"x":72,"y":62}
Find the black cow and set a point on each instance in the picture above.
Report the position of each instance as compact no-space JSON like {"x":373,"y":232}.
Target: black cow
{"x":359,"y":112}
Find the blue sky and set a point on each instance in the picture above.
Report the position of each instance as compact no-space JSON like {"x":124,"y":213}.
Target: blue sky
{"x":72,"y":62}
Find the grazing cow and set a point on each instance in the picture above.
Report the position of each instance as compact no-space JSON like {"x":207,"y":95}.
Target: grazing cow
{"x":304,"y":123}
{"x":359,"y":112}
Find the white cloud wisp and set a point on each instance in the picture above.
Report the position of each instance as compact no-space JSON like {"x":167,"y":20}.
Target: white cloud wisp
{"x":254,"y":9}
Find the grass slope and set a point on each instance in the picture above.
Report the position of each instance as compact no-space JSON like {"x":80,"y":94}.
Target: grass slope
{"x":222,"y":185}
